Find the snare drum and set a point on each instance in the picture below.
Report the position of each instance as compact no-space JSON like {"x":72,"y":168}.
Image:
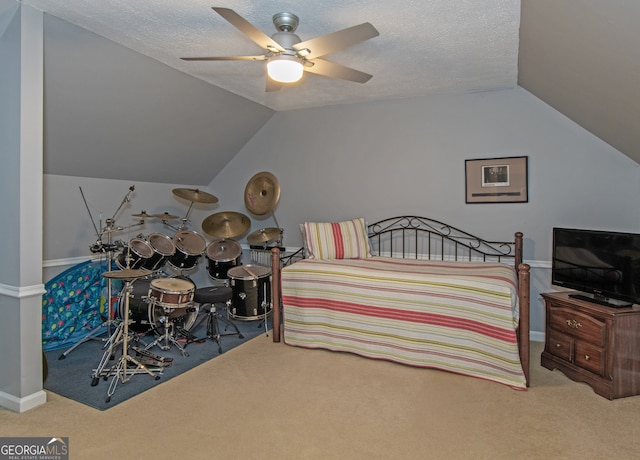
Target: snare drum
{"x":146,"y":314}
{"x":251,"y":297}
{"x":163,"y":248}
{"x":189,"y":247}
{"x":138,"y":253}
{"x":222,"y":256}
{"x":171,"y":293}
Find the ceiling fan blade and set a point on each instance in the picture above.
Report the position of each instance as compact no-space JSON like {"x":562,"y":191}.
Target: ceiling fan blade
{"x":225,"y":58}
{"x":333,"y":70}
{"x":329,"y":43}
{"x":256,"y":35}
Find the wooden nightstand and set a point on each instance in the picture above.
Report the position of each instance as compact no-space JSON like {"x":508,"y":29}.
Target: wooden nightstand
{"x":594,"y":344}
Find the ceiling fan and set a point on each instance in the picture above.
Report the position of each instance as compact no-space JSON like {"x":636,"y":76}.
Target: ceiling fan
{"x":288,"y":57}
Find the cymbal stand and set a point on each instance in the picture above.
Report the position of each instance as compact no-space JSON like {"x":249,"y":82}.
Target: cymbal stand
{"x":113,"y":341}
{"x":109,"y":247}
{"x":121,"y":372}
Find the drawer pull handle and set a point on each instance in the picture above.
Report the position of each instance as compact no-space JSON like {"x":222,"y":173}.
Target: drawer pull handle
{"x":558,"y":345}
{"x":572,"y":323}
{"x":587,"y":357}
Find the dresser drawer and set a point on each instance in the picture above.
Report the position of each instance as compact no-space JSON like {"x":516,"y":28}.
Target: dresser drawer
{"x":560,"y":345}
{"x":574,"y":323}
{"x":589,"y":357}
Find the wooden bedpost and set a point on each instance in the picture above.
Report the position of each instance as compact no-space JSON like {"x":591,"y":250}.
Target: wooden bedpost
{"x":524,"y":284}
{"x":275,"y":293}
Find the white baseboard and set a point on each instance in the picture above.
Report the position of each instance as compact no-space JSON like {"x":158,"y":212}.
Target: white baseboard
{"x":20,"y":405}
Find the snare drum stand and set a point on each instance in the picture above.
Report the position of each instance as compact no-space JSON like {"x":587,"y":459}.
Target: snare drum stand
{"x":165,"y":340}
{"x":120,"y":371}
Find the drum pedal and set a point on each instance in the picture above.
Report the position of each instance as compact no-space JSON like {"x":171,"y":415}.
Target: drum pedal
{"x":151,"y":359}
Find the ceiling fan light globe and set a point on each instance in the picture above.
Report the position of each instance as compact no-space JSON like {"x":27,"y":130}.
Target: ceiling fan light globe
{"x":285,"y":69}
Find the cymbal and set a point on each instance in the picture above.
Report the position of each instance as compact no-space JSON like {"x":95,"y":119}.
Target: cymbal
{"x":166,"y":216}
{"x":264,"y":235}
{"x":127,"y":274}
{"x":142,"y":214}
{"x":226,"y":224}
{"x":194,"y":194}
{"x":262,"y":193}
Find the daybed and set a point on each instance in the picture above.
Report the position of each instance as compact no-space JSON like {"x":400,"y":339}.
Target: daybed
{"x":410,"y":290}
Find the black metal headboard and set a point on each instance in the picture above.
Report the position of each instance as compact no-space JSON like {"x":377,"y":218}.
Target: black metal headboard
{"x":422,"y":238}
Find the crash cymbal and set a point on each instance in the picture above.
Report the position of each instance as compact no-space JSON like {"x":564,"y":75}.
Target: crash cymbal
{"x":262,"y":193}
{"x":264,"y":235}
{"x":142,"y":214}
{"x":165,"y":216}
{"x":226,"y":224}
{"x":193,"y":194}
{"x":127,"y":274}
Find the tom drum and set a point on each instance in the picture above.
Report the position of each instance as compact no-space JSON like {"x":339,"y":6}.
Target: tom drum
{"x":223,"y":255}
{"x":251,"y":292}
{"x":136,"y":255}
{"x":189,"y":247}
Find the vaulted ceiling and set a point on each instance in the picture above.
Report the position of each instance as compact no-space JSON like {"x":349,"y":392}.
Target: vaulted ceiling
{"x":580,"y":56}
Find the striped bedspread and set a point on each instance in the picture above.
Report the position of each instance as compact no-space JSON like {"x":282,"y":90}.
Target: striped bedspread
{"x":455,"y":316}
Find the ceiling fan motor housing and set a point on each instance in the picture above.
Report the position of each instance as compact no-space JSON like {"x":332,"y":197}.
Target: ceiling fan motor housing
{"x":285,"y":22}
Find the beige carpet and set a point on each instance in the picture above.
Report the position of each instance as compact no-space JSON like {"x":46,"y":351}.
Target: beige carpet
{"x":270,"y":401}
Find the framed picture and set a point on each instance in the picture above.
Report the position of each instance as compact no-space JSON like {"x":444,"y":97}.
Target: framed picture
{"x":496,"y":180}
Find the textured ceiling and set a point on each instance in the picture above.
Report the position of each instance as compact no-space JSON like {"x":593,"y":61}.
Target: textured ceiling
{"x":425,"y":46}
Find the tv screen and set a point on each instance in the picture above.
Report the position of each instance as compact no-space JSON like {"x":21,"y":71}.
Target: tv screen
{"x":603,"y":264}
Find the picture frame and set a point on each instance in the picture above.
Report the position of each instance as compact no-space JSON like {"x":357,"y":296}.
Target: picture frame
{"x":497,"y":180}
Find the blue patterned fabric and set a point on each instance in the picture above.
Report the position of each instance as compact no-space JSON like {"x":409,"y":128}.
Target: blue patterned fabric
{"x":74,"y":304}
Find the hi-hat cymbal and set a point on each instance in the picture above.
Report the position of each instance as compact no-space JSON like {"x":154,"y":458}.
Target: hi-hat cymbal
{"x":142,"y":214}
{"x":127,"y":274}
{"x":262,"y":193}
{"x":193,"y":194}
{"x":227,"y":224}
{"x":166,"y":216}
{"x":264,"y":235}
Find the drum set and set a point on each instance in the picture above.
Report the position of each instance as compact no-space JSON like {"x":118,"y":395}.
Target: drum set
{"x":157,"y":297}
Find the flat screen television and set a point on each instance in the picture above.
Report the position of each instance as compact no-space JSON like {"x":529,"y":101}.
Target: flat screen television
{"x":604,"y":266}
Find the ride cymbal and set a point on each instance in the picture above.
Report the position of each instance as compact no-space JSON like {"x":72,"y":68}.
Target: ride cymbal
{"x":194,"y":194}
{"x":264,"y":235}
{"x":262,"y":193}
{"x":227,"y":224}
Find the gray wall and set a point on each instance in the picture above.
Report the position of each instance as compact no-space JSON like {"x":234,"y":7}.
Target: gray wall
{"x":391,"y":158}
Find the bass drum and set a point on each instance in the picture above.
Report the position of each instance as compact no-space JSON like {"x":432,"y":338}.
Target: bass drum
{"x":251,"y":286}
{"x":145,"y":314}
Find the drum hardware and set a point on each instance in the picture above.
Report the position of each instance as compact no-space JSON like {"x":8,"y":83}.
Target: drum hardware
{"x":109,"y":248}
{"x":121,"y":371}
{"x":218,"y":299}
{"x":226,"y":224}
{"x":166,"y":216}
